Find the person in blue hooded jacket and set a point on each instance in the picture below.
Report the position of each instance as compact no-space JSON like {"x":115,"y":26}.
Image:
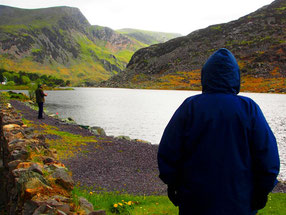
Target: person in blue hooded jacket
{"x":218,"y":155}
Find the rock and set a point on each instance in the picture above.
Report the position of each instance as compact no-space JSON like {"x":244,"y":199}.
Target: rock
{"x":29,"y":207}
{"x":51,"y":153}
{"x":97,"y":131}
{"x":18,"y":172}
{"x":19,"y":154}
{"x":48,"y":160}
{"x":32,"y":183}
{"x":85,"y":205}
{"x":35,"y":185}
{"x":142,"y":141}
{"x":11,"y":127}
{"x":63,"y":178}
{"x":55,"y":165}
{"x":24,"y":165}
{"x":69,"y":120}
{"x":28,"y":130}
{"x":46,"y":209}
{"x":63,"y":207}
{"x":123,"y":138}
{"x":36,"y":168}
{"x":13,"y":164}
{"x":84,"y":126}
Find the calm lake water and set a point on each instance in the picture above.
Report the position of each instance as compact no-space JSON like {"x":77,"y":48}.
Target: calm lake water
{"x":143,"y":114}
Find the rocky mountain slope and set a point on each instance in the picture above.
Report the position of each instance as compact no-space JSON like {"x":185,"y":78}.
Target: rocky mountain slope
{"x":60,"y":41}
{"x":258,"y":41}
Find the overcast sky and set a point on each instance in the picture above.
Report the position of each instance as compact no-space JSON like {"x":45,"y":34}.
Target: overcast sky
{"x":175,"y":16}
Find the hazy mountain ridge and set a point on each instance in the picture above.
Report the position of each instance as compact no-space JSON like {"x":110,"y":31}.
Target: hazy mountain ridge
{"x":60,"y":41}
{"x":258,"y":41}
{"x":148,"y":37}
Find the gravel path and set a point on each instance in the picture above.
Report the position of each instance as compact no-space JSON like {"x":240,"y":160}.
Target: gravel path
{"x":111,"y":164}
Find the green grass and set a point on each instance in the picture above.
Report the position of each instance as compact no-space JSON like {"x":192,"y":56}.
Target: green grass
{"x":140,"y":204}
{"x":276,"y":205}
{"x":158,"y":204}
{"x":67,"y":143}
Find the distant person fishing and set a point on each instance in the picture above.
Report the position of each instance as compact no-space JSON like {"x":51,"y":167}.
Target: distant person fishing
{"x":218,"y":154}
{"x":40,"y":99}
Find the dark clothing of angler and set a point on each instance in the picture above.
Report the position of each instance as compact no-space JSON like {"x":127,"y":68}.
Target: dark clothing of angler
{"x":40,"y":99}
{"x":218,"y":155}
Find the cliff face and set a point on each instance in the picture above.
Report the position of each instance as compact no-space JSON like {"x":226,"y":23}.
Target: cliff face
{"x":258,"y":41}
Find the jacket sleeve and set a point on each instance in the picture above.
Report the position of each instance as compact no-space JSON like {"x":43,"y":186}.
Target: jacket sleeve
{"x":170,"y":147}
{"x":264,"y":152}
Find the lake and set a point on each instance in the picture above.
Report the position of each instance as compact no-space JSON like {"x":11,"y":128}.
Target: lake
{"x":143,"y":114}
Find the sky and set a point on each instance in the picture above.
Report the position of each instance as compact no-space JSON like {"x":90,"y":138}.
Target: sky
{"x":172,"y":16}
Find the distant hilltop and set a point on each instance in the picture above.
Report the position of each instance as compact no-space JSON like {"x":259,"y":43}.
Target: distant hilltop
{"x":59,"y":41}
{"x":257,"y":40}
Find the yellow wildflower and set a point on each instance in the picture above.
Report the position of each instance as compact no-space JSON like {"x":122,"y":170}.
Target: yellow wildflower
{"x":129,"y":203}
{"x":120,"y":204}
{"x":115,"y":205}
{"x":90,"y":193}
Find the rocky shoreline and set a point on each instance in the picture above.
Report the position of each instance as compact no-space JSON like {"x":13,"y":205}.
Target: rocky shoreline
{"x":111,"y":164}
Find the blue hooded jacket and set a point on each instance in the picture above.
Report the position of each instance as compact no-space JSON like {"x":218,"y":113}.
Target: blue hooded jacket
{"x":218,"y":150}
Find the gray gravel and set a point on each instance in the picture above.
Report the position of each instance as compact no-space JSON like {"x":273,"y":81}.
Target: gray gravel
{"x":110,"y":164}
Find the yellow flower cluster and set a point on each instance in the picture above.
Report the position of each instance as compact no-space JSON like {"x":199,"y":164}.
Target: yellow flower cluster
{"x":129,"y":203}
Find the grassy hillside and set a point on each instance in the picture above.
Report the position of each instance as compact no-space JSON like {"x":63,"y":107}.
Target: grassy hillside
{"x":59,"y":41}
{"x":148,"y":37}
{"x":257,"y":40}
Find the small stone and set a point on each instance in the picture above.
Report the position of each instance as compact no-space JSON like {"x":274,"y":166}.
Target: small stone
{"x":11,"y":127}
{"x":24,"y":165}
{"x":18,"y":172}
{"x":29,"y":207}
{"x":36,"y":168}
{"x":63,"y":178}
{"x":97,"y":131}
{"x":85,"y":204}
{"x":123,"y":137}
{"x":48,"y":160}
{"x":20,"y":154}
{"x":13,"y":164}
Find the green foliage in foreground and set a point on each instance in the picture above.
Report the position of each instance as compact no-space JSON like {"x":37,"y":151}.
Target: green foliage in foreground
{"x":158,"y":204}
{"x":140,"y":204}
{"x":276,"y":205}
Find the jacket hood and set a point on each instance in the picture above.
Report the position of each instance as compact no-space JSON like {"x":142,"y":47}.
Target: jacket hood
{"x":221,"y":73}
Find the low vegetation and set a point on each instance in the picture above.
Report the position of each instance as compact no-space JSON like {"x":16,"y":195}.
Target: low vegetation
{"x":117,"y":203}
{"x":22,"y":79}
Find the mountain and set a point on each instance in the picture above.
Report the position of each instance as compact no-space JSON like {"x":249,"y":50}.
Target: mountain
{"x":148,"y":37}
{"x":59,"y":41}
{"x":258,"y":41}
